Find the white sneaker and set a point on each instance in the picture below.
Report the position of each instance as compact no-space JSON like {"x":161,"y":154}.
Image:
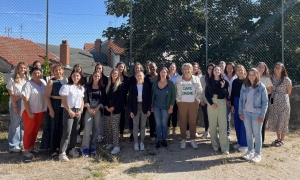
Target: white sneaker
{"x":248,"y":155}
{"x":109,"y":146}
{"x":142,"y":146}
{"x":204,"y":135}
{"x":78,"y":139}
{"x":188,"y":133}
{"x":197,"y":135}
{"x":243,"y":149}
{"x":256,"y":158}
{"x":15,"y":149}
{"x":183,"y":144}
{"x":136,"y":147}
{"x":236,"y":146}
{"x":63,"y":157}
{"x":116,"y":150}
{"x":226,"y":152}
{"x":229,"y":138}
{"x":194,"y":144}
{"x":99,"y":138}
{"x":74,"y":153}
{"x":153,"y":139}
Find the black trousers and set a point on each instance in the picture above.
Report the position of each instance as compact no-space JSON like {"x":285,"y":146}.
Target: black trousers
{"x":122,"y":121}
{"x":205,"y":116}
{"x":173,"y":116}
{"x":263,"y":129}
{"x":152,"y":125}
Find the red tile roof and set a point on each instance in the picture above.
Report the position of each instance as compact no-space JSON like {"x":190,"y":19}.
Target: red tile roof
{"x":118,"y":46}
{"x":14,"y":50}
{"x":88,"y":46}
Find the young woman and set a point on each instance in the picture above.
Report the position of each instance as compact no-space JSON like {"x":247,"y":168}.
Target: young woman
{"x":132,"y":81}
{"x":253,"y":104}
{"x":266,"y":80}
{"x":216,"y":93}
{"x":93,"y":100}
{"x":149,"y":79}
{"x":203,"y":101}
{"x":188,"y":93}
{"x":113,"y":107}
{"x":222,"y":65}
{"x":147,"y":67}
{"x":51,"y":73}
{"x":72,"y":101}
{"x":78,"y":68}
{"x":139,"y":108}
{"x":240,"y":130}
{"x":125,"y":80}
{"x":99,"y":67}
{"x":33,"y":109}
{"x":52,"y":130}
{"x":279,"y":111}
{"x":229,"y":76}
{"x":14,"y":88}
{"x":173,"y":75}
{"x":163,"y":99}
{"x":36,"y":64}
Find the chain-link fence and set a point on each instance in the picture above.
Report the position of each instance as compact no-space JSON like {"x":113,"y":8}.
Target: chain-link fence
{"x":163,"y":31}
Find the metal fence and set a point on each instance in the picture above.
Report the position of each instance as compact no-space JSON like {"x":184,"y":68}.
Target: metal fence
{"x":164,"y":31}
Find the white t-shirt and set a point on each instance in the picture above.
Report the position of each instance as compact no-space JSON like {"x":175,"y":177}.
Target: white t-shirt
{"x":188,"y":91}
{"x":249,"y":102}
{"x":36,"y":96}
{"x":74,"y":95}
{"x":229,"y":82}
{"x":266,"y":81}
{"x":140,"y":92}
{"x":15,"y":87}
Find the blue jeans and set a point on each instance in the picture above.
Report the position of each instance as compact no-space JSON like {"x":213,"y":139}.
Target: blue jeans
{"x":15,"y":131}
{"x":239,"y":125}
{"x":161,"y":119}
{"x":253,"y":129}
{"x":228,"y":111}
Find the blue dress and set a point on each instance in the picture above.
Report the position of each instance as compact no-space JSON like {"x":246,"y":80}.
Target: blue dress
{"x":52,"y":129}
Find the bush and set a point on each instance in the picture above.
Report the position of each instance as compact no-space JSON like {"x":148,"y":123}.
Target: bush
{"x":4,"y":96}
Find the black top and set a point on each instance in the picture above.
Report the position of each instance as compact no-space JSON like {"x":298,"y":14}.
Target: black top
{"x":113,"y":99}
{"x":236,"y":89}
{"x":146,"y":99}
{"x":91,"y":94}
{"x":126,"y":88}
{"x":132,"y":80}
{"x":149,"y":80}
{"x":214,"y":87}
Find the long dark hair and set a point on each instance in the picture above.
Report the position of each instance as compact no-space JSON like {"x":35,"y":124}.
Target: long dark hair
{"x":199,"y":70}
{"x":206,"y":73}
{"x":163,"y":68}
{"x":100,"y":83}
{"x":283,"y":71}
{"x":70,"y":81}
{"x":247,"y":82}
{"x":212,"y":78}
{"x":233,"y":66}
{"x":266,"y":72}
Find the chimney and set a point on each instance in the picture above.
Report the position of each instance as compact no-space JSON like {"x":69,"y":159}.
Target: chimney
{"x":65,"y":53}
{"x":97,"y":45}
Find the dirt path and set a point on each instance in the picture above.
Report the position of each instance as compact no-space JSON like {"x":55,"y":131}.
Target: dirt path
{"x":171,"y":163}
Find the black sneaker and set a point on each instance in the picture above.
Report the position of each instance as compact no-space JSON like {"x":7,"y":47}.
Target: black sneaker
{"x":164,"y":144}
{"x":131,"y":137}
{"x":158,"y":144}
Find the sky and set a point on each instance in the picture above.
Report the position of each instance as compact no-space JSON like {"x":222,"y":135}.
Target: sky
{"x":78,"y":21}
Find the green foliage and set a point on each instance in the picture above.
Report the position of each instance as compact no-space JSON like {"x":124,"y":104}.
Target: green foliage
{"x":4,"y":96}
{"x":46,"y":66}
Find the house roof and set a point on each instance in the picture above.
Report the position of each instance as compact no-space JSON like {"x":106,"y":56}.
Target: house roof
{"x":118,"y":46}
{"x":14,"y":50}
{"x":79,"y":56}
{"x":88,"y":46}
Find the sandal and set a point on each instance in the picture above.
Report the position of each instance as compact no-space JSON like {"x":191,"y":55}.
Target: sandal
{"x":275,"y":142}
{"x":55,"y":154}
{"x":279,"y":144}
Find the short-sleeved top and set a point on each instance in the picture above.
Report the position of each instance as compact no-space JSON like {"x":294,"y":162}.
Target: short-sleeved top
{"x":74,"y":95}
{"x":57,"y":84}
{"x":16,"y":87}
{"x":266,"y":81}
{"x":173,"y":79}
{"x":36,"y":96}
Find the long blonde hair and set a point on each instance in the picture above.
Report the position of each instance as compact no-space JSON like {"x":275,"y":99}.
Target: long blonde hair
{"x":125,"y":68}
{"x":117,"y":83}
{"x":16,"y":73}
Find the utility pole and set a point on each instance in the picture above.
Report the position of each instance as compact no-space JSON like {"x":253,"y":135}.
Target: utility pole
{"x":130,"y":51}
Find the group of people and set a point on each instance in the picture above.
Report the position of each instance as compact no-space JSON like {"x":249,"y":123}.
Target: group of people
{"x":98,"y":106}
